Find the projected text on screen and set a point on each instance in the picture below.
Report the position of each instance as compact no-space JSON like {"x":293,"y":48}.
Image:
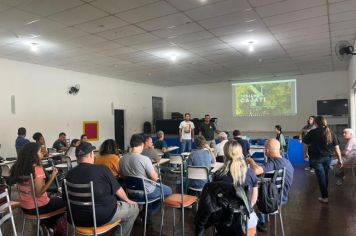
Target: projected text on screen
{"x":267,"y":98}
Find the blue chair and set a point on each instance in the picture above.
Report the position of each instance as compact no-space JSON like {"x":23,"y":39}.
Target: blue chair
{"x":261,"y":142}
{"x":259,"y":157}
{"x":136,"y":184}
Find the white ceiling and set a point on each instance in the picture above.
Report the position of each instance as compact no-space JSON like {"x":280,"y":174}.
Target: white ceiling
{"x":134,"y":39}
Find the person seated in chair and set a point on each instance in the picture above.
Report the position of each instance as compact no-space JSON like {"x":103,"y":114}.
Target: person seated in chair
{"x":60,"y":144}
{"x":202,"y":157}
{"x":106,"y":191}
{"x":21,"y":140}
{"x":220,"y":147}
{"x":348,"y":155}
{"x":109,"y":157}
{"x":275,"y":162}
{"x":137,"y":165}
{"x":243,"y":142}
{"x":38,"y":137}
{"x":29,"y":162}
{"x":236,"y":172}
{"x":149,"y":150}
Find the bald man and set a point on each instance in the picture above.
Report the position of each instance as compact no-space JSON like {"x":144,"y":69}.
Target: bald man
{"x":348,"y":155}
{"x":275,"y":162}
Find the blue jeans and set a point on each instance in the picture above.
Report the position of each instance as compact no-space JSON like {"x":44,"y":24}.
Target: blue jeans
{"x":321,"y":167}
{"x":261,"y":218}
{"x":186,"y":142}
{"x":157,"y":192}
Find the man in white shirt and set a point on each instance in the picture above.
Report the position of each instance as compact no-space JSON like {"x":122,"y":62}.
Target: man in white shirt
{"x":186,"y":133}
{"x":220,"y":147}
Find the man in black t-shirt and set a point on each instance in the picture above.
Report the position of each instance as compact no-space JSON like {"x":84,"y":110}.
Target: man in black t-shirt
{"x":106,"y":191}
{"x":243,"y":142}
{"x":207,"y":129}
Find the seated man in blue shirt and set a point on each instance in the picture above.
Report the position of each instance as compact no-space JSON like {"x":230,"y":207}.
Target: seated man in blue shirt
{"x":203,"y":156}
{"x":21,"y":140}
{"x":275,"y":162}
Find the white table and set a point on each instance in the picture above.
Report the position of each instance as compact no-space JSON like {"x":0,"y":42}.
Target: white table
{"x":5,"y":167}
{"x":216,"y":166}
{"x":256,"y":148}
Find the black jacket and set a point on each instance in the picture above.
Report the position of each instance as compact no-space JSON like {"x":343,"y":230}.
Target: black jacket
{"x":225,"y":206}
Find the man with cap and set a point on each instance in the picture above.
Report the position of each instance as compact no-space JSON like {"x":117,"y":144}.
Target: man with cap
{"x":106,"y":191}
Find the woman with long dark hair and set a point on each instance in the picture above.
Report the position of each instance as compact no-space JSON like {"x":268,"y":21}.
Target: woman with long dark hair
{"x":29,"y":162}
{"x":319,"y":147}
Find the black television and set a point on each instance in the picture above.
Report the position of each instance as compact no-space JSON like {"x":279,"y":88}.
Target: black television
{"x":334,"y":107}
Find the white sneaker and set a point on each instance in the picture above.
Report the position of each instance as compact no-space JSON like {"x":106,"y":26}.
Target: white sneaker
{"x":312,"y":170}
{"x":307,"y":168}
{"x":323,"y":200}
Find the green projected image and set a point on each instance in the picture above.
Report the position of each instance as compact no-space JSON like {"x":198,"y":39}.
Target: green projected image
{"x":268,"y":98}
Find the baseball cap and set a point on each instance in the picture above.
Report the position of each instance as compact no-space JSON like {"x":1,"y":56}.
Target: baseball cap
{"x":83,"y":149}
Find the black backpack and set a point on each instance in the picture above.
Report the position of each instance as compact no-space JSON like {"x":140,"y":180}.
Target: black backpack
{"x":268,"y":196}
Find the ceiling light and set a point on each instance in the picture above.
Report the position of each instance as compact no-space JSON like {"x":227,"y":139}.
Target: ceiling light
{"x":172,"y":37}
{"x":34,"y":47}
{"x":171,"y":27}
{"x":31,"y":22}
{"x":248,"y":21}
{"x":251,"y":48}
{"x":173,"y":57}
{"x":202,"y":1}
{"x":250,"y":30}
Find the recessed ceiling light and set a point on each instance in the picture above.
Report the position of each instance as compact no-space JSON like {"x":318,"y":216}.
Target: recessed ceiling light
{"x":173,"y":57}
{"x":248,"y":9}
{"x":250,"y":30}
{"x":172,"y":37}
{"x":171,"y":27}
{"x":248,"y":21}
{"x":31,"y":22}
{"x":251,"y":48}
{"x":173,"y":44}
{"x":34,"y":47}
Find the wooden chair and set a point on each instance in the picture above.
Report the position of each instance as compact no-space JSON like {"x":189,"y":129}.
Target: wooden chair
{"x":78,"y":194}
{"x":29,"y":183}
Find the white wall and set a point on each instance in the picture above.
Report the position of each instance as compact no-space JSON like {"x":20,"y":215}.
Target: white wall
{"x":42,"y":103}
{"x":352,"y":80}
{"x":216,"y":99}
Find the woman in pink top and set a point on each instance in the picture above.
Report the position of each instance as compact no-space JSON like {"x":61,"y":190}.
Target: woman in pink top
{"x":29,"y":162}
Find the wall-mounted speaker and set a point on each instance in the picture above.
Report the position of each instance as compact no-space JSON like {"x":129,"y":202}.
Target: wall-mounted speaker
{"x":13,"y":104}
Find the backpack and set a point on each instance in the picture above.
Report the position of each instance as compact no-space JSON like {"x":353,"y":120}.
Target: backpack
{"x":268,"y":196}
{"x":217,"y":206}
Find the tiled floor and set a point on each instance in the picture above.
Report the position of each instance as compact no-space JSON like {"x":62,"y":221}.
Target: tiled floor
{"x":303,"y":215}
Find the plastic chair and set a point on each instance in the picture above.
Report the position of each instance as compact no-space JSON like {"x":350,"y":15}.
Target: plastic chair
{"x":137,"y":184}
{"x":81,"y":191}
{"x":181,"y":200}
{"x":259,"y":157}
{"x":6,"y":211}
{"x":29,"y":182}
{"x":197,"y":173}
{"x":280,"y":186}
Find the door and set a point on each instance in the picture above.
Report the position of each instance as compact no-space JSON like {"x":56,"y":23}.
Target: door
{"x":120,"y":128}
{"x":157,"y":109}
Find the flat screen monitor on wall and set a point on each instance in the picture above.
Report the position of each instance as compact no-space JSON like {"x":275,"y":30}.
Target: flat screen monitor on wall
{"x":265,"y":98}
{"x":334,"y":107}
